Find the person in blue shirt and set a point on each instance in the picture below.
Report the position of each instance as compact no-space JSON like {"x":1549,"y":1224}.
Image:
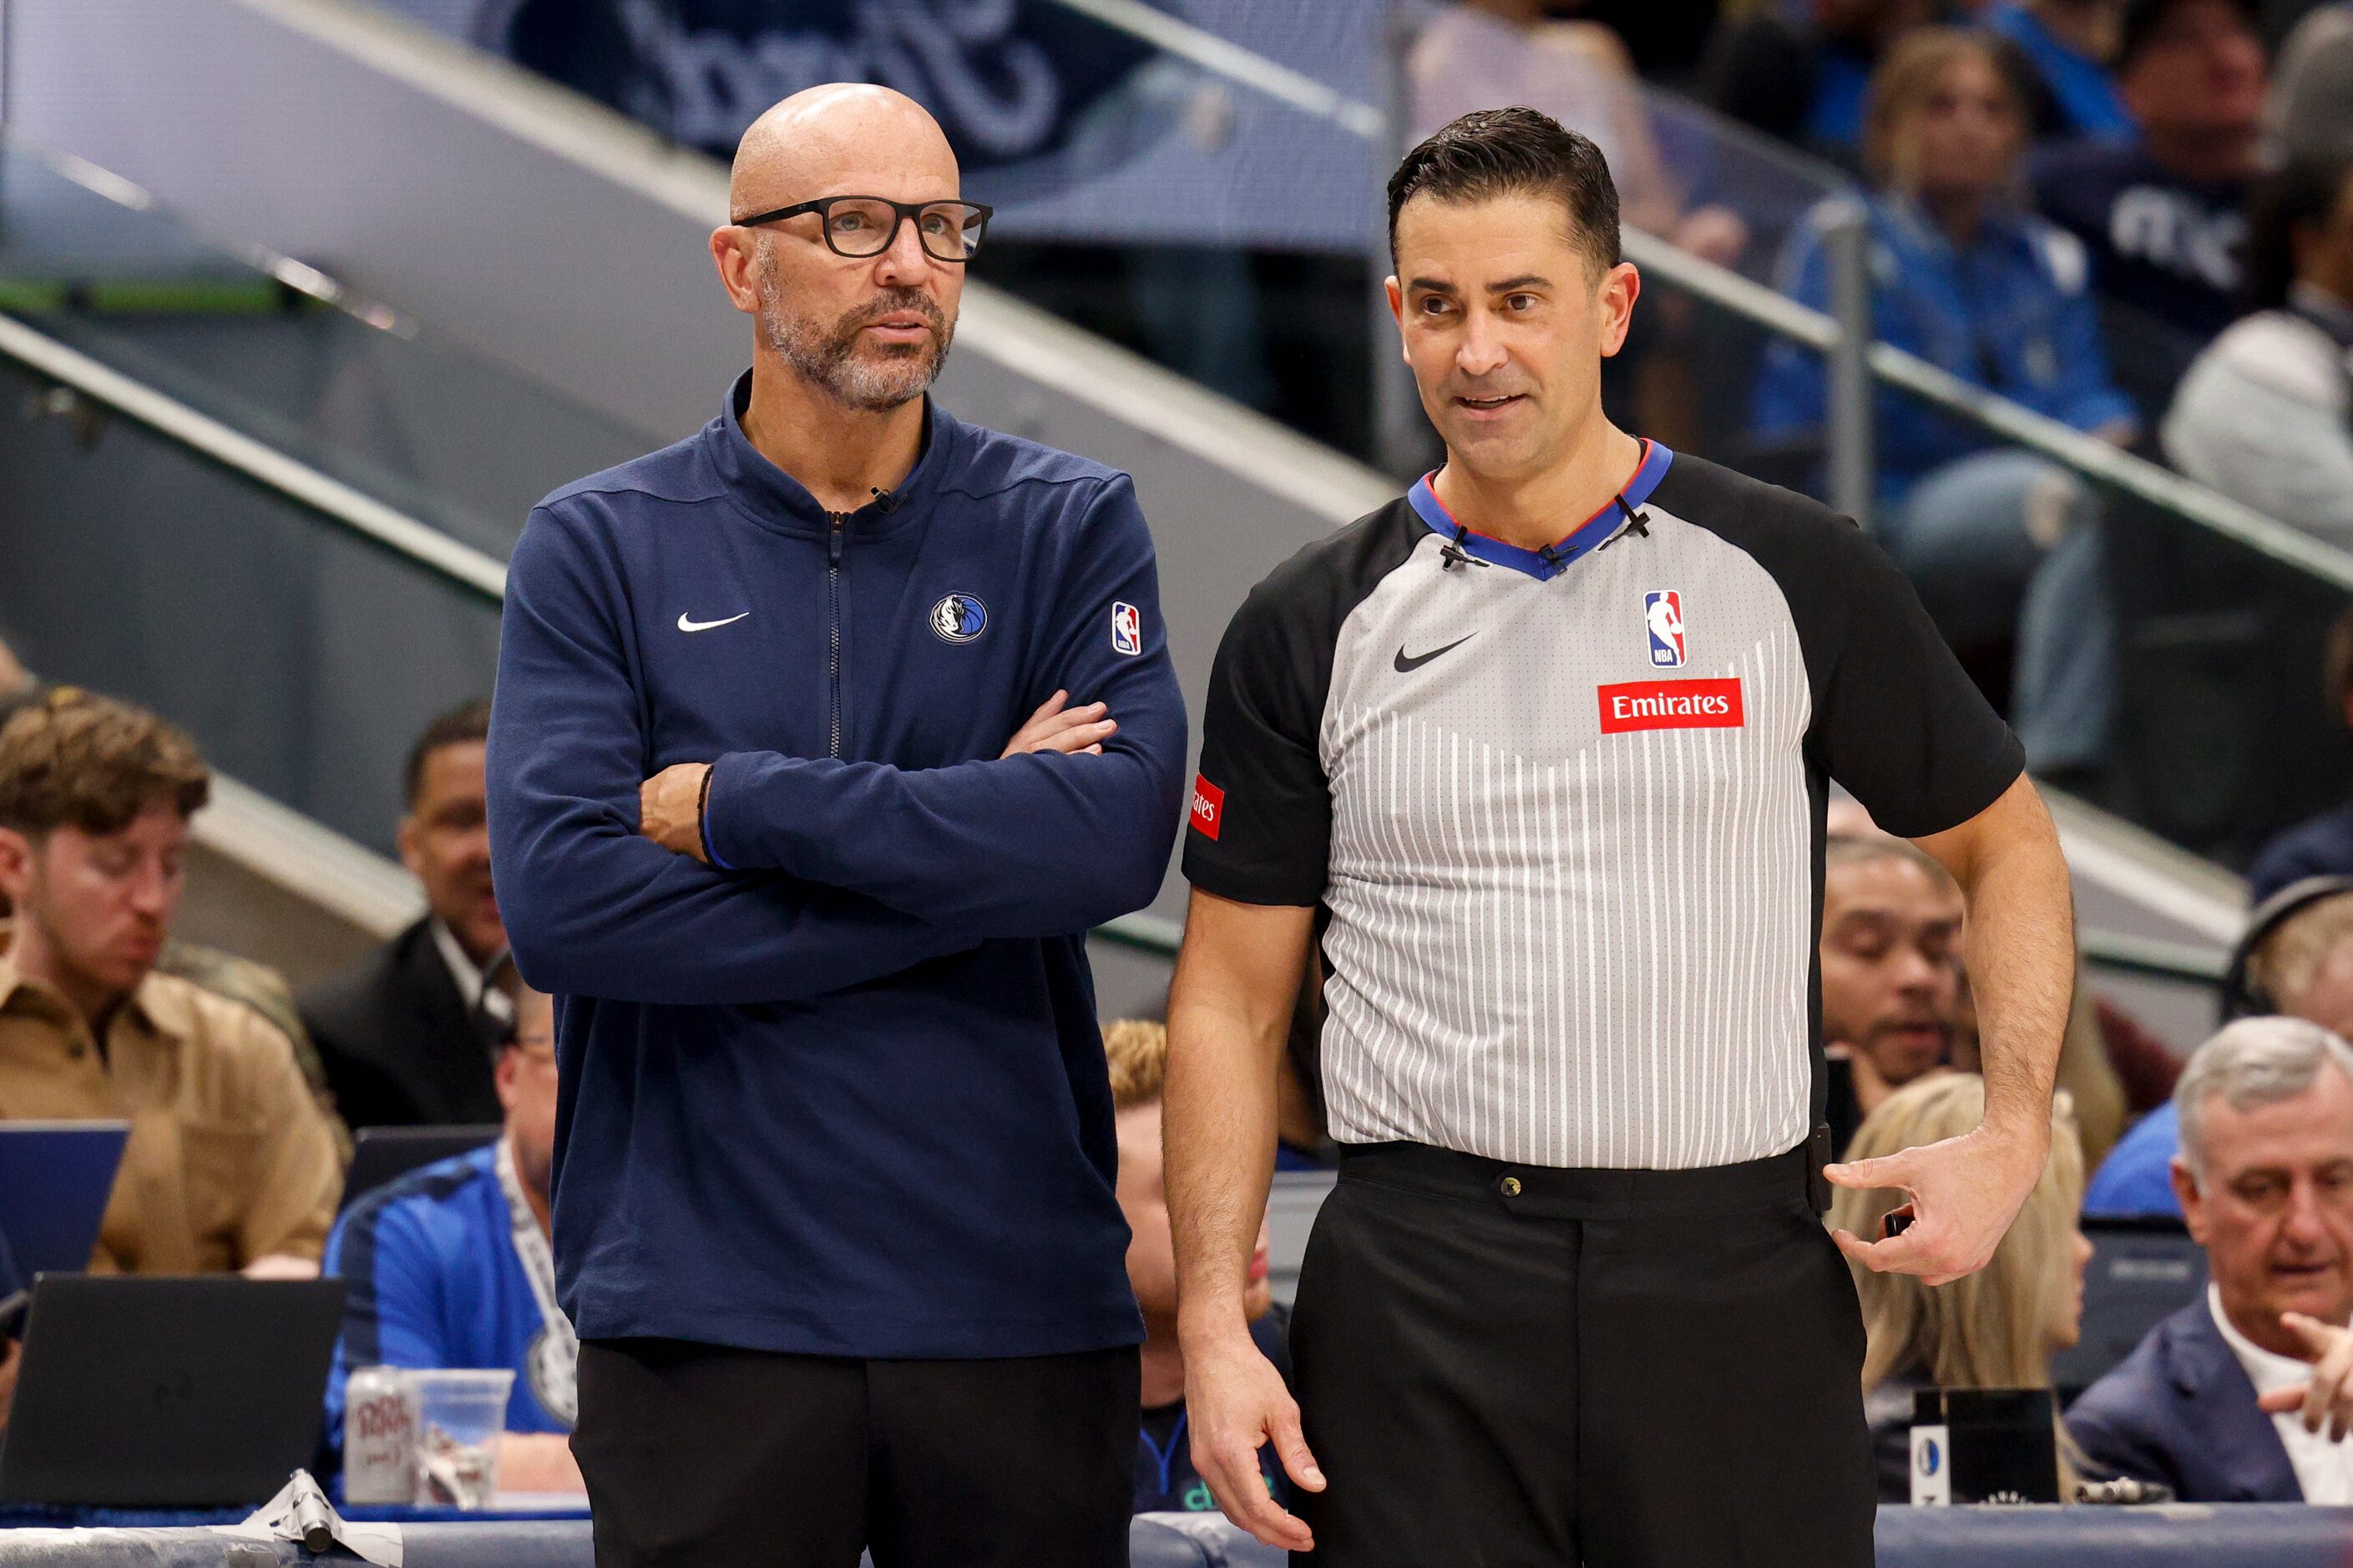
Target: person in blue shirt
{"x":1165,"y":1478}
{"x":2065,"y":47}
{"x":2321,"y":845}
{"x":2162,"y":213}
{"x":820,"y":740}
{"x":1996,"y":540}
{"x":2137,"y":1178}
{"x":1803,"y":80}
{"x":449,"y":1267}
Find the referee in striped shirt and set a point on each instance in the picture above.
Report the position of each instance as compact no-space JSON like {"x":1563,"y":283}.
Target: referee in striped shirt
{"x":1535,"y":758}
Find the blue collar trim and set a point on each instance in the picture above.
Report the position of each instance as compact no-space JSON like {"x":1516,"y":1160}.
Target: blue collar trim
{"x":1554,"y":558}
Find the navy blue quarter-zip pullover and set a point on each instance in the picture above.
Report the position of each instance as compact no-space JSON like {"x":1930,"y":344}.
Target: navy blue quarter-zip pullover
{"x":840,"y":1091}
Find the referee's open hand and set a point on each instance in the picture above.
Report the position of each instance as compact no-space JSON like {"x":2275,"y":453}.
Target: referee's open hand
{"x":1235,"y":1402}
{"x":1964,"y":1192}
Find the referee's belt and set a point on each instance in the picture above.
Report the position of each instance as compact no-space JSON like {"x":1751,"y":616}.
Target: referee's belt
{"x":1551,"y":1192}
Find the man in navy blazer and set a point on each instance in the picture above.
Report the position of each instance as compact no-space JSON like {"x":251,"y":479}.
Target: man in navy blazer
{"x":2211,"y":1403}
{"x":2181,"y":1410}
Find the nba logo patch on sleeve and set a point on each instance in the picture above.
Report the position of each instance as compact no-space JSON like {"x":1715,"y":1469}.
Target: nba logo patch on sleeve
{"x":1127,"y":629}
{"x":1662,"y":613}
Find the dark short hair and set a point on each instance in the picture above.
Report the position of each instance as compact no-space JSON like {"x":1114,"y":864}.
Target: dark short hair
{"x":1492,"y":153}
{"x":76,"y":758}
{"x":2139,"y":26}
{"x":2301,"y":195}
{"x":467,"y":723}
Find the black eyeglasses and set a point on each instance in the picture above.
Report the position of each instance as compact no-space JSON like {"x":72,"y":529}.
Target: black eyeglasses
{"x":863,"y":226}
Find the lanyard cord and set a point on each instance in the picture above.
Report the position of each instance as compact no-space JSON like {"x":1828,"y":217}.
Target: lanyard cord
{"x":1164,"y":1457}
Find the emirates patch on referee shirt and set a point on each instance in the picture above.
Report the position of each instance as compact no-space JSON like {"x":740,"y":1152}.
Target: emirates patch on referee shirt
{"x":1208,"y":806}
{"x":1671,"y":705}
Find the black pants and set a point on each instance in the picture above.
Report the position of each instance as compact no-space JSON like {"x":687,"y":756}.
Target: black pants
{"x":1516,"y":1366}
{"x":726,"y":1459}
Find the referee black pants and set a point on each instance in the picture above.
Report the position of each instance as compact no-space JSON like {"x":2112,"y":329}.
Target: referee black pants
{"x":1524,"y":1367}
{"x":698,"y":1456}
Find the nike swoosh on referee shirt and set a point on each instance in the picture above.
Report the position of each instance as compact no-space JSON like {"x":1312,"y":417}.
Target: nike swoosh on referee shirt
{"x":685,"y":623}
{"x":1407,"y":665}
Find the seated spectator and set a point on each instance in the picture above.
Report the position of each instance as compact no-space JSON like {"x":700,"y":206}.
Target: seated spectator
{"x":1997,"y":1327}
{"x":1966,"y":279}
{"x":2162,"y":215}
{"x":1482,"y":53}
{"x":2302,"y":968}
{"x":2064,"y":48}
{"x":449,"y":1266}
{"x":257,"y":985}
{"x":2208,"y":1401}
{"x":2320,"y":845}
{"x":403,"y":1035}
{"x":1166,"y":1480}
{"x":2309,"y":112}
{"x":1803,"y":83}
{"x":2102,"y":1049}
{"x":2266,"y":413}
{"x":230,"y":1164}
{"x":1890,"y":967}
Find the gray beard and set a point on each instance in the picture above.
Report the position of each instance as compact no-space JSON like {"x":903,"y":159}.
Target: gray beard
{"x":874,"y":382}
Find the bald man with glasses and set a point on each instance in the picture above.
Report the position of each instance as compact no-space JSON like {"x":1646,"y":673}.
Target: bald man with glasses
{"x":833,"y":1199}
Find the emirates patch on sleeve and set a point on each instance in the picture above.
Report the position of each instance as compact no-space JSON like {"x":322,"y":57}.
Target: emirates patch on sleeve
{"x":1671,"y":705}
{"x":1208,"y":806}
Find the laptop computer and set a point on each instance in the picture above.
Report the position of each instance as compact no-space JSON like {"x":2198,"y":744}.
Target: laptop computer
{"x":2143,"y":1269}
{"x":187,"y":1391}
{"x":54,"y":1179}
{"x":381,"y":1154}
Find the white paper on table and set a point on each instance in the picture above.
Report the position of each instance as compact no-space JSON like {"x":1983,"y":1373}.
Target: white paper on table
{"x":281,"y":1518}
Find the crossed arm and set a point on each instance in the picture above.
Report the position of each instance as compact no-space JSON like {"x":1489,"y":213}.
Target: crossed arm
{"x":671,"y":804}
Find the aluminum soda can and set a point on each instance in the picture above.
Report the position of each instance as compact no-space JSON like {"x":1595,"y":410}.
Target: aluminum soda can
{"x":379,"y":1437}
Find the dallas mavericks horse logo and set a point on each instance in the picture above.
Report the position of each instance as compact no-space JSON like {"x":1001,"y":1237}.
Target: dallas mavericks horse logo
{"x":959,"y":617}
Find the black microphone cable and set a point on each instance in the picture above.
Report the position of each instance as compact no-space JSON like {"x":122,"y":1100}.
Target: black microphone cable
{"x":1637,"y":523}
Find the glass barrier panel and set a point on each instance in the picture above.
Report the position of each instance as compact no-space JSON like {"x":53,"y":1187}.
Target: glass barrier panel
{"x":304,"y":659}
{"x":449,"y":438}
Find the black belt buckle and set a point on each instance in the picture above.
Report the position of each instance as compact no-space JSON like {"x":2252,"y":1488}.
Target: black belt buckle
{"x":1818,"y":1154}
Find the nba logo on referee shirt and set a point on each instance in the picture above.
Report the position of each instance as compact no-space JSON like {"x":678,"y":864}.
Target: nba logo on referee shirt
{"x":1127,"y":629}
{"x":1663,"y":614}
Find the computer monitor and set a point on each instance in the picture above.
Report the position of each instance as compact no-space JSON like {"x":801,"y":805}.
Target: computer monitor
{"x":2143,"y":1269}
{"x":190,"y":1391}
{"x":54,"y":1179}
{"x":381,"y":1154}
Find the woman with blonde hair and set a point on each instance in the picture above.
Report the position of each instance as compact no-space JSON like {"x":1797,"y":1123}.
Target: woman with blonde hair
{"x":1964,"y":276}
{"x":1997,"y":1327}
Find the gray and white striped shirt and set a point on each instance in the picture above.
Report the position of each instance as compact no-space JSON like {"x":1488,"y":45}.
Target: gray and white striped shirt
{"x":1564,"y":808}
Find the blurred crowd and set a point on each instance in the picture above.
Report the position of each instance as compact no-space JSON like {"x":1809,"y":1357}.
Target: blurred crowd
{"x":2131,"y":216}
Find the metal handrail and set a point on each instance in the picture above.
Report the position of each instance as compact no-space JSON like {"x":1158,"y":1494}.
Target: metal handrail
{"x":1720,"y":286}
{"x":384,"y":527}
{"x":2156,"y":959}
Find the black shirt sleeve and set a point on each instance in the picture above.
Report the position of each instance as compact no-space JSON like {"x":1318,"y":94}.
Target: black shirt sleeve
{"x":1896,"y":719}
{"x":1259,"y":827}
